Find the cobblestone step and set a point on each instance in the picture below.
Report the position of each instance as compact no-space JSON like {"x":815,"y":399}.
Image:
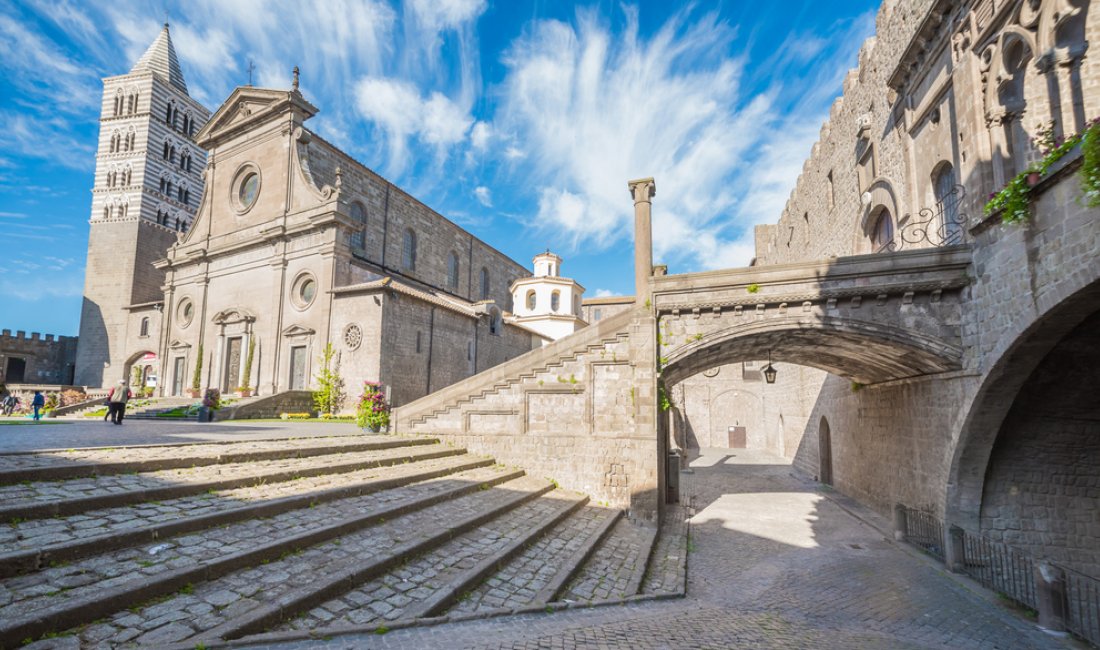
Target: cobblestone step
{"x":667,"y":567}
{"x":61,"y":597}
{"x":32,"y":545}
{"x":60,"y":464}
{"x":616,"y":569}
{"x":51,"y":499}
{"x":539,"y":572}
{"x":429,"y":584}
{"x":249,"y":601}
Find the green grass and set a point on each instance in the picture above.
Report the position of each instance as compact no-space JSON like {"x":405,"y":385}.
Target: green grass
{"x":29,"y":422}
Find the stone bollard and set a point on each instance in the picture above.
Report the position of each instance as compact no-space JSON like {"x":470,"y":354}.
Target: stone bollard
{"x":954,"y":550}
{"x":901,"y":523}
{"x":1050,"y":596}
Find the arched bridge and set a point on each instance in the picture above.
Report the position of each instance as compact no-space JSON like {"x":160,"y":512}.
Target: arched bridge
{"x":869,"y":318}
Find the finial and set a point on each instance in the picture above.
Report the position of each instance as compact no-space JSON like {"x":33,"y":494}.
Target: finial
{"x":166,"y":25}
{"x":339,"y":177}
{"x":295,"y":86}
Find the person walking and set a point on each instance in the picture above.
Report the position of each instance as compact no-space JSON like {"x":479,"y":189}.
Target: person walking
{"x":37,"y":403}
{"x":119,"y":396}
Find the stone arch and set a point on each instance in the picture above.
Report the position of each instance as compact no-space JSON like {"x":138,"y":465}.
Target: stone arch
{"x":137,"y":359}
{"x":862,"y":351}
{"x":982,"y":422}
{"x":879,"y":198}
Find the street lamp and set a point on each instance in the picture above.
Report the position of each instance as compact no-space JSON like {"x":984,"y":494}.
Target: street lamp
{"x":770,"y":372}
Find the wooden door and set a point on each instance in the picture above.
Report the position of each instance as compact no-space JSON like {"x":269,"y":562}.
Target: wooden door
{"x":177,"y":376}
{"x":738,"y":437}
{"x":232,"y":377}
{"x":298,"y":367}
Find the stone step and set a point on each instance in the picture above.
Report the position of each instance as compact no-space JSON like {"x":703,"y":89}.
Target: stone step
{"x":430,"y":583}
{"x":52,"y":499}
{"x":251,"y":600}
{"x":62,"y":597}
{"x":58,"y":464}
{"x":667,"y":572}
{"x":535,"y":575}
{"x":32,"y":545}
{"x":615,"y":571}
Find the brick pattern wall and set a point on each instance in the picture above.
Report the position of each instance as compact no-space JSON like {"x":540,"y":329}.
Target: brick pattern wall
{"x":48,"y":360}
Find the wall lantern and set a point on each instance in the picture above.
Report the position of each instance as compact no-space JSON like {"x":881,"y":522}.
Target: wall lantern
{"x":770,"y":372}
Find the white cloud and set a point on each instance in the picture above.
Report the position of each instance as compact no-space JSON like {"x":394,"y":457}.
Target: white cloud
{"x":603,"y":293}
{"x":437,"y":15}
{"x":480,"y":135}
{"x":397,"y":107}
{"x":484,"y":196}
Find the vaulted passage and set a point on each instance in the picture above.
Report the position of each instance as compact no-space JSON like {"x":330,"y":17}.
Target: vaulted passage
{"x":1041,"y":488}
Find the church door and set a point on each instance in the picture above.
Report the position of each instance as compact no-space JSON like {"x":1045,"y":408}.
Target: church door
{"x":16,"y":372}
{"x":298,"y":367}
{"x":177,"y":376}
{"x":232,"y":364}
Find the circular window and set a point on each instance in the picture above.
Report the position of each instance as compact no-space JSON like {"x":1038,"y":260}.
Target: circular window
{"x":305,"y":290}
{"x":246,"y":188}
{"x":353,"y":336}
{"x":185,"y":312}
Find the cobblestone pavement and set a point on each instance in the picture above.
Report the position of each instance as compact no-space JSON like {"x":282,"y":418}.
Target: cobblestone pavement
{"x":84,"y":579}
{"x":613,"y":568}
{"x":208,"y":452}
{"x":39,"y":533}
{"x":397,"y":594}
{"x":14,"y":496}
{"x":218,"y":602}
{"x":96,"y":433}
{"x":775,"y":564}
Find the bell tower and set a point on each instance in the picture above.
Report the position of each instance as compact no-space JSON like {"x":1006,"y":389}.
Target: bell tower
{"x":148,"y":183}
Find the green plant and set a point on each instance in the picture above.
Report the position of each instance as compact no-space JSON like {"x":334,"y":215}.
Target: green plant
{"x":373,"y":411}
{"x":245,"y":382}
{"x":329,"y":395}
{"x":381,"y":629}
{"x":856,"y":386}
{"x":662,"y":399}
{"x":136,"y":377}
{"x":196,"y":379}
{"x":212,"y":399}
{"x":1090,"y":164}
{"x":753,"y":288}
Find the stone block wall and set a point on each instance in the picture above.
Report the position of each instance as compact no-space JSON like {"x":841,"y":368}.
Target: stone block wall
{"x":581,"y":410}
{"x":46,"y":359}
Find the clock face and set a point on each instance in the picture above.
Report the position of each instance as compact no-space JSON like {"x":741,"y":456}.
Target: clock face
{"x":250,"y":187}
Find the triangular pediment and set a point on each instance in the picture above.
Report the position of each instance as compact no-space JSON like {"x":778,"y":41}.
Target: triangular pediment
{"x":176,"y":344}
{"x":248,"y":106}
{"x":298,"y":330}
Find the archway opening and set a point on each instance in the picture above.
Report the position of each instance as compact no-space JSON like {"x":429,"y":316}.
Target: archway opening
{"x":825,"y":452}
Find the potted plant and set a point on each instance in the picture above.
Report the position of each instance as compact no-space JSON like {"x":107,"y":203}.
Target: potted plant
{"x":373,"y":413}
{"x":211,"y":402}
{"x":196,"y":379}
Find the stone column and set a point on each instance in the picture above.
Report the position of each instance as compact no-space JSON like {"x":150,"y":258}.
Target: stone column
{"x":643,"y":191}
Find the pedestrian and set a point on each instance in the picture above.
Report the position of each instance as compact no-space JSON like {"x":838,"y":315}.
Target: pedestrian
{"x":7,"y":405}
{"x":119,"y":396}
{"x":38,"y":402}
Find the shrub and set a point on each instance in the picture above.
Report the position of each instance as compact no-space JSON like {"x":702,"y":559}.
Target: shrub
{"x":329,"y":395}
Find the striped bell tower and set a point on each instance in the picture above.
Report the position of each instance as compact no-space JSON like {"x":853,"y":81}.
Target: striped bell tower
{"x":148,"y":183}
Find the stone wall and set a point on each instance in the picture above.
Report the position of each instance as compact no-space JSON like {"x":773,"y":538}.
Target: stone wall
{"x":580,"y":410}
{"x":46,"y":359}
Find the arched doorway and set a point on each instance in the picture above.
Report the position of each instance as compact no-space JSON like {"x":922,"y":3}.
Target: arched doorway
{"x":140,"y":371}
{"x":825,"y":452}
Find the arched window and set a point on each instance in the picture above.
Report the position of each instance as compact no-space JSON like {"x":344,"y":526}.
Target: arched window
{"x":188,"y":162}
{"x":555,"y":301}
{"x":106,"y":212}
{"x":118,"y":103}
{"x":532,"y":301}
{"x":163,"y":185}
{"x":178,"y":224}
{"x":947,"y":204}
{"x":168,"y":115}
{"x":167,"y":150}
{"x":452,"y":271}
{"x":133,"y":140}
{"x":408,"y":251}
{"x":484,"y":283}
{"x":358,"y":238}
{"x":179,"y":193}
{"x":882,"y":235}
{"x":496,"y":320}
{"x":144,"y":327}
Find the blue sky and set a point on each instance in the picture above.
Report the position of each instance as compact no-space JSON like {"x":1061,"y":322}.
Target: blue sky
{"x":521,"y":121}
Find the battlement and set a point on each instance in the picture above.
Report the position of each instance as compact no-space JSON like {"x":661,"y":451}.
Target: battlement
{"x":21,"y":335}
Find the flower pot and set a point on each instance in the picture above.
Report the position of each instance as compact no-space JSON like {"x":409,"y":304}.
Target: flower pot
{"x":1033,"y":179}
{"x":194,"y":393}
{"x":244,"y":392}
{"x":372,"y":429}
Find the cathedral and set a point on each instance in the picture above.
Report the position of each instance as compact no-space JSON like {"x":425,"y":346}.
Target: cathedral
{"x":231,"y":250}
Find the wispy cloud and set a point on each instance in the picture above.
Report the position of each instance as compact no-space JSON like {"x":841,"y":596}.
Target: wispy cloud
{"x":484,"y":196}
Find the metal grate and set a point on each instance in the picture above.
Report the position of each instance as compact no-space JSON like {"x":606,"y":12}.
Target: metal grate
{"x":925,"y":531}
{"x":1083,"y":605}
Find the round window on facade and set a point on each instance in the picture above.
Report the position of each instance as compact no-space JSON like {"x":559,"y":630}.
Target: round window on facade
{"x":246,"y":188}
{"x":185,"y":313}
{"x":305,"y":290}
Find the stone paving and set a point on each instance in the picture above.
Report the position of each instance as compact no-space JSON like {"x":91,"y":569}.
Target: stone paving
{"x":775,"y":564}
{"x":516,"y":584}
{"x":615,"y":569}
{"x":397,"y":594}
{"x":20,"y":495}
{"x":39,"y":533}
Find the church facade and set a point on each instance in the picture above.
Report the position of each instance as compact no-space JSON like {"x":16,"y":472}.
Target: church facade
{"x":289,"y":246}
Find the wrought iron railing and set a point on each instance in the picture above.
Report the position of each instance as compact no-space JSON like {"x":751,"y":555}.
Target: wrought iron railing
{"x":942,"y":225}
{"x":995,"y":565}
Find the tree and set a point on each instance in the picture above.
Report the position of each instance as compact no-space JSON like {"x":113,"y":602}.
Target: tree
{"x":329,"y":396}
{"x":196,"y":379}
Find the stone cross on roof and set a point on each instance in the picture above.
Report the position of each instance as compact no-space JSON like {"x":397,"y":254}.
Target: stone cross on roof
{"x":160,"y":59}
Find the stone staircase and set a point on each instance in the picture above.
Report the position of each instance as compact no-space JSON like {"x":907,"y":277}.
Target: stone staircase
{"x":160,"y":405}
{"x":189,"y":545}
